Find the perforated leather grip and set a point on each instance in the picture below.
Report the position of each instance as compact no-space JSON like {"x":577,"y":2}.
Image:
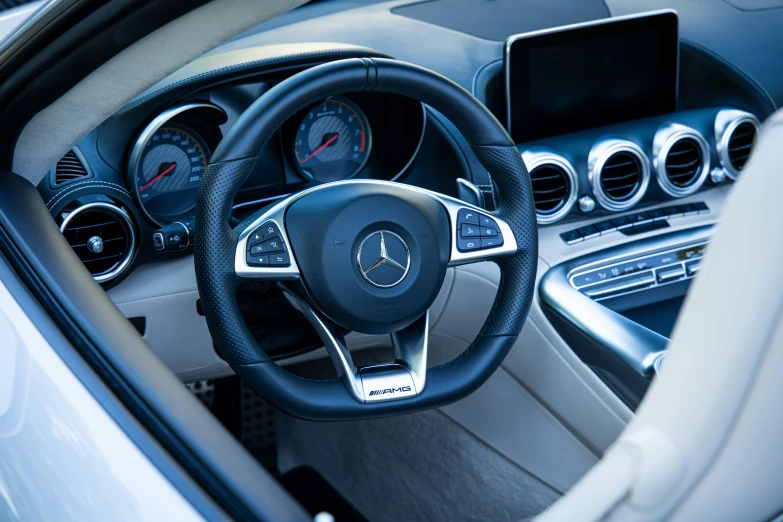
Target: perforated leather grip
{"x":215,"y":241}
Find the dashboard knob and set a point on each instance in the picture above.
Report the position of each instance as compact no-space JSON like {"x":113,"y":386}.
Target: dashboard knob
{"x":586,"y":204}
{"x":95,"y":245}
{"x":718,"y":175}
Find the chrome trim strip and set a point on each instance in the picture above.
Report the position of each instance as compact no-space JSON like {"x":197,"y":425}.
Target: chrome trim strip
{"x":134,"y":162}
{"x":602,"y":150}
{"x":539,"y":156}
{"x":513,"y":38}
{"x":726,"y":122}
{"x":102,"y":278}
{"x":636,"y":346}
{"x":634,"y":283}
{"x":665,"y":138}
{"x":277,"y":214}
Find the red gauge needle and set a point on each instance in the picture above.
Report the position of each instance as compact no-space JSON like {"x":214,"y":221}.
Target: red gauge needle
{"x":319,"y":149}
{"x":156,"y":178}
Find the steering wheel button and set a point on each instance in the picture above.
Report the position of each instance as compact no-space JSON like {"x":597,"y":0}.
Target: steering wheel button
{"x":488,"y":232}
{"x":468,"y":244}
{"x":486,"y":221}
{"x":269,"y":229}
{"x":257,"y":250}
{"x":491,"y":242}
{"x":465,"y":215}
{"x":254,"y":238}
{"x":257,"y":260}
{"x":280,"y":259}
{"x":274,"y":244}
{"x":469,"y":230}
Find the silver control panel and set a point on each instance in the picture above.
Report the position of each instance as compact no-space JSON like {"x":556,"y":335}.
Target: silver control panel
{"x":613,"y":278}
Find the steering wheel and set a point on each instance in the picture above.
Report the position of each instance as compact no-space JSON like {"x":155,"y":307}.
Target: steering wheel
{"x":362,"y":255}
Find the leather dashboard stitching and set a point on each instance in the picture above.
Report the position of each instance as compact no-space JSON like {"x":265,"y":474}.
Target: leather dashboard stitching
{"x":84,"y":185}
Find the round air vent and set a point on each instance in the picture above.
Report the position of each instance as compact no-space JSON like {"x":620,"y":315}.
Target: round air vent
{"x":682,"y":159}
{"x":554,"y":184}
{"x":619,"y":173}
{"x":735,"y":135}
{"x":102,"y":235}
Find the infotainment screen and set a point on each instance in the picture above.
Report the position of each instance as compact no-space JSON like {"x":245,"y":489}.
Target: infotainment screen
{"x":578,"y":77}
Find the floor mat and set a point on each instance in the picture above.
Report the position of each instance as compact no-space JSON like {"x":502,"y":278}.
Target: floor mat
{"x":415,"y":467}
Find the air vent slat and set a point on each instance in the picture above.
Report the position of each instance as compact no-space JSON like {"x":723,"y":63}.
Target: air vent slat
{"x":111,"y":228}
{"x":69,"y":168}
{"x":621,"y":176}
{"x":684,"y":164}
{"x":550,"y":188}
{"x":740,"y":145}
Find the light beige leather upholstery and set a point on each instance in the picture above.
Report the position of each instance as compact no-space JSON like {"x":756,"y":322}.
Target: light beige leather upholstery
{"x":706,"y":441}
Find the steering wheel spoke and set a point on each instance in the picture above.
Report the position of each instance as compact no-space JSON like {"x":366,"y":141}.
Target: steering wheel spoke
{"x":403,"y":378}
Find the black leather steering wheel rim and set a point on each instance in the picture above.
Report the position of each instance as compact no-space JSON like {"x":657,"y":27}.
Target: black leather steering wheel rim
{"x":216,"y":241}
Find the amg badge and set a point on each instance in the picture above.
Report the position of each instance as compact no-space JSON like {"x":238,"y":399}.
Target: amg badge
{"x":390,"y":390}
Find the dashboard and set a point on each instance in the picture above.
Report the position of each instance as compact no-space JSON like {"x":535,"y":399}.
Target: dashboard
{"x":604,"y":173}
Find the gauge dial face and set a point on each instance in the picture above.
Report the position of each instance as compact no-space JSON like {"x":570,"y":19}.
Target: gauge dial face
{"x":333,"y":141}
{"x":169,"y":171}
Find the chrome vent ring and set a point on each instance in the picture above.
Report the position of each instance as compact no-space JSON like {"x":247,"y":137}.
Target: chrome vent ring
{"x":681,"y":157}
{"x":619,"y":173}
{"x":102,"y":236}
{"x":735,"y":135}
{"x":555,"y":184}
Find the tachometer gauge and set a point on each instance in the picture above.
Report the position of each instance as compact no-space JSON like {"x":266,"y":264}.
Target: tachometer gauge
{"x":333,"y":141}
{"x":170,"y":169}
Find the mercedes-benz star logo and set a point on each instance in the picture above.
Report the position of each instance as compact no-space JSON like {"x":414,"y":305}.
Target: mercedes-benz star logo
{"x":390,"y":266}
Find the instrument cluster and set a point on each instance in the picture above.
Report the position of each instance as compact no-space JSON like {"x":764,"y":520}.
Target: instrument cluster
{"x":361,"y":135}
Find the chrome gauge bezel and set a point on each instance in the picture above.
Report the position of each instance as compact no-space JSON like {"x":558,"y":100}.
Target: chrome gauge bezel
{"x":369,"y":138}
{"x":137,"y":152}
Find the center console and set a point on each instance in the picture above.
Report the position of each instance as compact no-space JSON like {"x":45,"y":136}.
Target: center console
{"x":616,"y":307}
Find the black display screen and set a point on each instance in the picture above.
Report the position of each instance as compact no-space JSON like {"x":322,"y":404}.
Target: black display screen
{"x":588,"y":76}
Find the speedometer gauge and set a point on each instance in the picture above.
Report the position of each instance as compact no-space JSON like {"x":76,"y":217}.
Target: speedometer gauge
{"x":170,"y":156}
{"x":171,"y":168}
{"x":333,"y":141}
